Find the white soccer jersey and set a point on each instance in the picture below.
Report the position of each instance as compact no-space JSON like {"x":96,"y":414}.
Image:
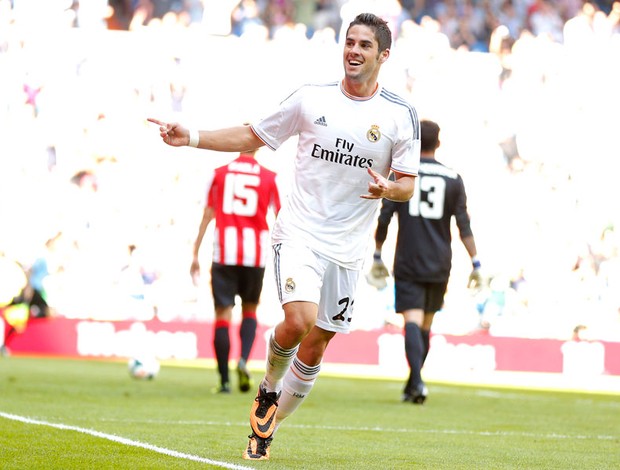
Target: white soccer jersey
{"x":340,"y":136}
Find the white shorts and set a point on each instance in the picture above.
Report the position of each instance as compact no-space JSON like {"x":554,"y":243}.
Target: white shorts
{"x":304,"y":275}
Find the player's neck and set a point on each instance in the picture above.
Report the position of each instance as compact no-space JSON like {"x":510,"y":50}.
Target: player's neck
{"x":359,"y":90}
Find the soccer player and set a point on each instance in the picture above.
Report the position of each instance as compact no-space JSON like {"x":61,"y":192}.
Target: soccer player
{"x":423,"y":256}
{"x":352,"y":134}
{"x":238,"y":198}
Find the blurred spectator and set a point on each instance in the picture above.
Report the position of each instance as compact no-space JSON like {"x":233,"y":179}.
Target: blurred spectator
{"x":468,"y":29}
{"x":13,"y":300}
{"x":327,"y":16}
{"x":120,"y":14}
{"x":43,"y":266}
{"x":609,"y":274}
{"x":582,"y":33}
{"x":304,"y":12}
{"x":245,"y":17}
{"x":567,"y":9}
{"x":143,"y":12}
{"x":133,"y":284}
{"x":278,"y":14}
{"x":546,"y":20}
{"x":509,"y":17}
{"x":32,"y":88}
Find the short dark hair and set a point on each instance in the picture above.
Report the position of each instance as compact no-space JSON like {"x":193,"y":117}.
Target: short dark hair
{"x":430,"y":135}
{"x":379,"y":26}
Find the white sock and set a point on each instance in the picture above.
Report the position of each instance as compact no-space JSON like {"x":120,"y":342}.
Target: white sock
{"x":278,"y":362}
{"x":296,"y":386}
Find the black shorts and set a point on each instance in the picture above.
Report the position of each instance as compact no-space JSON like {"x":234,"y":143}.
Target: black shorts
{"x":229,"y":281}
{"x":428,"y":296}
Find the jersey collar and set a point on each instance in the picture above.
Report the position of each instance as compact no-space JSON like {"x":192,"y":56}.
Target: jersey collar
{"x":358,"y":98}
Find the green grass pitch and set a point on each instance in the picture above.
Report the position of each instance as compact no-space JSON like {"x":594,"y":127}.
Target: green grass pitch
{"x":66,"y":414}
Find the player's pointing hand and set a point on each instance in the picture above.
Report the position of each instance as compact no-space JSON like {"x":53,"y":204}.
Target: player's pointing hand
{"x":377,"y":188}
{"x":173,"y":134}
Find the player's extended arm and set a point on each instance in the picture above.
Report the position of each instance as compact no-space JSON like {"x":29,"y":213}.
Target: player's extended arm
{"x":401,"y":189}
{"x":230,"y":139}
{"x":378,"y":271}
{"x":475,"y":277}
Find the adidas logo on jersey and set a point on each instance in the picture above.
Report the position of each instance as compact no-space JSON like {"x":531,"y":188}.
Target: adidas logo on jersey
{"x":321,"y":121}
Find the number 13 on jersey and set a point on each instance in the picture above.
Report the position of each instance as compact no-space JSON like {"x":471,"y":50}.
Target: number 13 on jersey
{"x":431,"y":206}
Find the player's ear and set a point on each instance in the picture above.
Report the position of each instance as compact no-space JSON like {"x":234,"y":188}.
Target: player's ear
{"x":383,"y":56}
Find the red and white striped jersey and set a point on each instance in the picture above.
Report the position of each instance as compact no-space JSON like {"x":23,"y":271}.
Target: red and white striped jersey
{"x":240,"y":194}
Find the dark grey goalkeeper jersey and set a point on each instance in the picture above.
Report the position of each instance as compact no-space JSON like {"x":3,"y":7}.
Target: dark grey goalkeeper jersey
{"x":423,"y":245}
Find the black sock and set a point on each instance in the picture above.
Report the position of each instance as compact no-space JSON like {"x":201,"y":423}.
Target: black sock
{"x":247,"y":333}
{"x":414,"y":352}
{"x":221,"y":343}
{"x":426,"y":340}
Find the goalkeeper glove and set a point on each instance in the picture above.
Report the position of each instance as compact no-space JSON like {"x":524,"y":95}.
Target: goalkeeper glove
{"x":378,"y":273}
{"x":475,"y":277}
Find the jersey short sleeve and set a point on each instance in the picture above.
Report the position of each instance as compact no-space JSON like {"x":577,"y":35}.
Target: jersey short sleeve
{"x":282,"y":123}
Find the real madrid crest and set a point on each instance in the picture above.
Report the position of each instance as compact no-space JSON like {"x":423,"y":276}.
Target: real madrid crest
{"x":373,"y":134}
{"x":289,"y":286}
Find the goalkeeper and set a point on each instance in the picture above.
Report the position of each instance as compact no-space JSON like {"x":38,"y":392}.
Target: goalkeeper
{"x":423,"y":255}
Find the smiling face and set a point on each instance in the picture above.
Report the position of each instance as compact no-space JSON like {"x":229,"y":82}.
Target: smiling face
{"x":362,"y":60}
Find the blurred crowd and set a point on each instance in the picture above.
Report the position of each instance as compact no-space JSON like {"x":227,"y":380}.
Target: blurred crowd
{"x":470,"y":24}
{"x":526,"y":94}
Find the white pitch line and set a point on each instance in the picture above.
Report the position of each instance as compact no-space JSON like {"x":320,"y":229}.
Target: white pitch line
{"x":123,"y":440}
{"x":602,"y":437}
{"x":599,"y":437}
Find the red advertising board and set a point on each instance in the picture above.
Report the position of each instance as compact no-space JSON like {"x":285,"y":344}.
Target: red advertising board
{"x":380,"y":349}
